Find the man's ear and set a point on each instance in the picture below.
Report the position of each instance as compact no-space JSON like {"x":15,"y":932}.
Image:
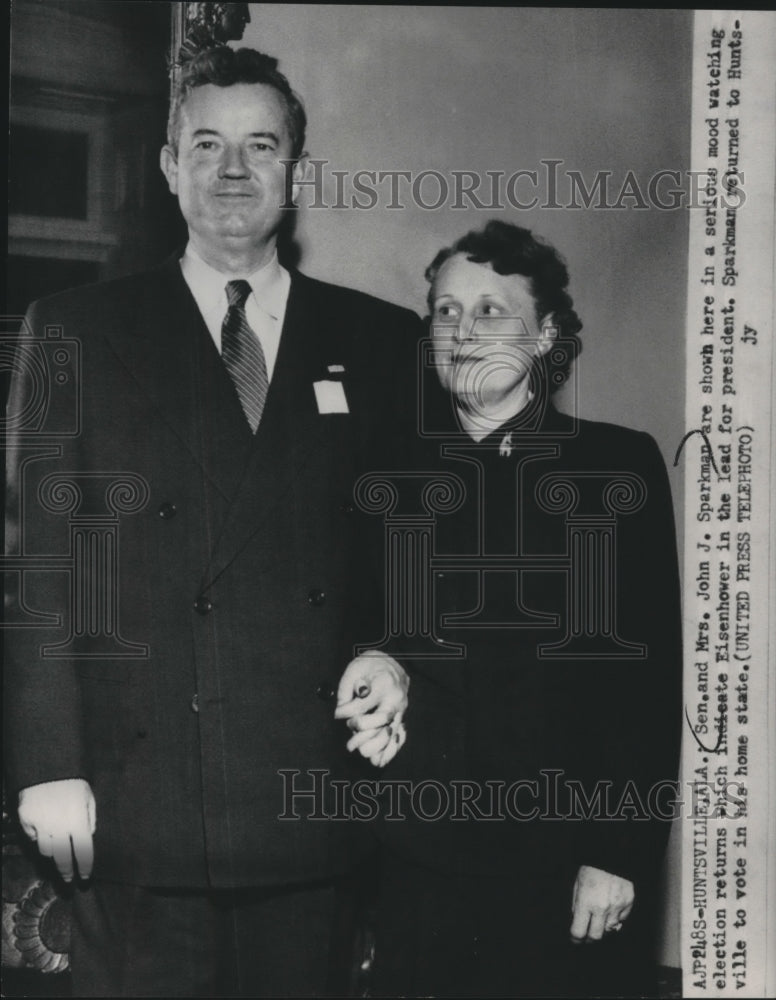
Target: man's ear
{"x":299,"y":173}
{"x":548,"y":335}
{"x":168,"y":161}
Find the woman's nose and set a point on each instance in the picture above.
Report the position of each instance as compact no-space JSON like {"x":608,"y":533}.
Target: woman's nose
{"x":463,"y":330}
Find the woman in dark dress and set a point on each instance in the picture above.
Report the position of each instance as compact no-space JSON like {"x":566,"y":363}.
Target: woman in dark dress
{"x":553,"y":723}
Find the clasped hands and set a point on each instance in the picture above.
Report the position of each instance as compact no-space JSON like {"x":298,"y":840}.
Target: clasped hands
{"x":372,"y":697}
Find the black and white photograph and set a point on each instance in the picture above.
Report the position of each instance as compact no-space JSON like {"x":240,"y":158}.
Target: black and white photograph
{"x":389,"y":592}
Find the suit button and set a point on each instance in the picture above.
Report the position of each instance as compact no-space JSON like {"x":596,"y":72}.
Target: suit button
{"x":202,"y":605}
{"x":167,"y":510}
{"x":346,"y":508}
{"x":195,"y":703}
{"x":316,"y":598}
{"x":325,"y":691}
{"x":141,"y":734}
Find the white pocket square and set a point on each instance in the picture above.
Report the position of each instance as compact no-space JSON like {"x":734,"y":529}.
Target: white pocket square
{"x":330,"y":397}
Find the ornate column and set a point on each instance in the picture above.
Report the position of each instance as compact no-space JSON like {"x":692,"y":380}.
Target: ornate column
{"x":93,"y":502}
{"x":409,"y":503}
{"x":591,"y":502}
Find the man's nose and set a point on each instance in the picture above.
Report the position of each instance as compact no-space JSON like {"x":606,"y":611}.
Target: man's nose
{"x":233,"y":163}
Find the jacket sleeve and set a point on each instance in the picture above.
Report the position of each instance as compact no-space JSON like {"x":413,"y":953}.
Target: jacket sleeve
{"x":385,"y":450}
{"x":626,"y":723}
{"x":41,"y":694}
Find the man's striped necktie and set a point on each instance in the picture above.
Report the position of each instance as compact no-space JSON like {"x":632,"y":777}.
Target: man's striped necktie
{"x":243,"y":354}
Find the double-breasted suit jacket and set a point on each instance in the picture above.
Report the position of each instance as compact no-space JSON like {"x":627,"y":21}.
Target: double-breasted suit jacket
{"x":231,"y":589}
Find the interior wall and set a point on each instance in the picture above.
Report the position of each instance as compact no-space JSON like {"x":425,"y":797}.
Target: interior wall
{"x":92,"y":77}
{"x":503,"y":89}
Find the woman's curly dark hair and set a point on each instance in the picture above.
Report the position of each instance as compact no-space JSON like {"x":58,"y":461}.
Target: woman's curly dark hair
{"x":510,"y":249}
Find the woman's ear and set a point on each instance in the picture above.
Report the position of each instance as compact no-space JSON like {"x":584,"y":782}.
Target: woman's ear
{"x":548,"y":335}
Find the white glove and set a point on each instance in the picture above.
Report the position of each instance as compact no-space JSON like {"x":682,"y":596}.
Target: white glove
{"x":61,"y":816}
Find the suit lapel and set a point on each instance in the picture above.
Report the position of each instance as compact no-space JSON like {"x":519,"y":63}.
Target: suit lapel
{"x":168,"y":350}
{"x":290,"y":429}
{"x":170,"y":353}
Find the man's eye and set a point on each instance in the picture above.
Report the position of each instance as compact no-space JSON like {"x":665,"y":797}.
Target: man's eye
{"x":260,"y":147}
{"x":205,"y":144}
{"x":488,"y":309}
{"x":446,"y":312}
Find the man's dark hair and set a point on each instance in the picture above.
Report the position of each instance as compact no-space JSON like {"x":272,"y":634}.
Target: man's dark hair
{"x":510,"y":249}
{"x":225,"y":67}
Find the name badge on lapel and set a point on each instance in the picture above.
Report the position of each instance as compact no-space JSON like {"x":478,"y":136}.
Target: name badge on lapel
{"x":330,"y":397}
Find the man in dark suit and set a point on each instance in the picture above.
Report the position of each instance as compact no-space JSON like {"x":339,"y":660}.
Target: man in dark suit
{"x":548,"y":734}
{"x":205,"y":589}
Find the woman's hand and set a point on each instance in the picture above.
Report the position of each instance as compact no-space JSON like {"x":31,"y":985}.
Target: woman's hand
{"x":600,"y":905}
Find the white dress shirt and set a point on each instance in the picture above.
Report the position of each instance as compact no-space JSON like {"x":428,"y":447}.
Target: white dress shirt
{"x":265,"y":307}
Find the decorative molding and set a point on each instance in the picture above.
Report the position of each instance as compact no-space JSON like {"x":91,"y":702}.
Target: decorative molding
{"x":94,"y":247}
{"x":93,"y":237}
{"x":198,"y":26}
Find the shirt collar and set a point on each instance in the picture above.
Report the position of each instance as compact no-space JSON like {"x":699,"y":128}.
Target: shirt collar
{"x":269,"y":283}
